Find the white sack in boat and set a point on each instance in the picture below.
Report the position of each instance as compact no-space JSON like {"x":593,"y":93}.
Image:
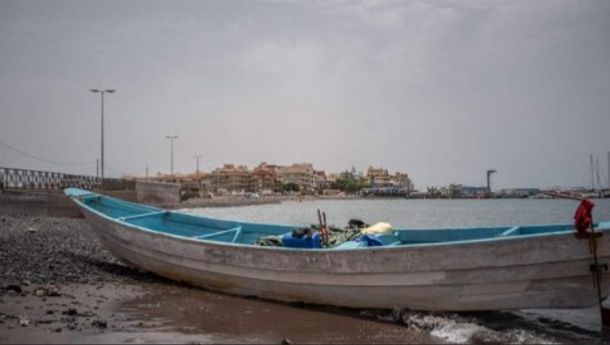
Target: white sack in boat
{"x":377,"y":228}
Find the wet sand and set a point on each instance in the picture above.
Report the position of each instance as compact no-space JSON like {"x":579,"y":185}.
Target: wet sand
{"x":161,"y":312}
{"x":60,"y":286}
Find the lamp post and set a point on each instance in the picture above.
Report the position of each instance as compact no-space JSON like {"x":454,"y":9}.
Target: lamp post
{"x":102,"y":92}
{"x":171,"y":155}
{"x":197,"y":157}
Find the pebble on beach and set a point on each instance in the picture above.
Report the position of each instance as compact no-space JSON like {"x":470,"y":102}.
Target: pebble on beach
{"x":40,"y":256}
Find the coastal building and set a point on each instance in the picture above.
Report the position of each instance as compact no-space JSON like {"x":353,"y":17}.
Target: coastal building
{"x":265,"y":177}
{"x":473,"y":192}
{"x":331,"y":178}
{"x":378,"y":177}
{"x":320,"y":177}
{"x":231,"y":178}
{"x":518,"y":192}
{"x":402,"y":180}
{"x":301,"y":174}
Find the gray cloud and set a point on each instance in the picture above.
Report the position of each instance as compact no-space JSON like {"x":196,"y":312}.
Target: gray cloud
{"x":440,"y":89}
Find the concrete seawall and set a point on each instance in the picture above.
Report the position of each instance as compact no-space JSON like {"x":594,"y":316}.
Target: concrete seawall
{"x":157,"y":193}
{"x":47,"y":203}
{"x":53,"y":203}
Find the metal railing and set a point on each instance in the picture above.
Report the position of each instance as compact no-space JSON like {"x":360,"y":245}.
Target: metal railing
{"x":13,"y":178}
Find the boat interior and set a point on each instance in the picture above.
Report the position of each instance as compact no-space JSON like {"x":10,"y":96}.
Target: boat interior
{"x":226,"y":231}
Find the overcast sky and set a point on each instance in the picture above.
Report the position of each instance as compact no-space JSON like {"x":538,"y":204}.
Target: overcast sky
{"x":442,"y":90}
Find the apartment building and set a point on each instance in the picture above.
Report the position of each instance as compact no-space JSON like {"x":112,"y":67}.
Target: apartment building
{"x":231,"y":178}
{"x":378,"y":177}
{"x":320,"y":178}
{"x":301,"y":174}
{"x":265,"y":177}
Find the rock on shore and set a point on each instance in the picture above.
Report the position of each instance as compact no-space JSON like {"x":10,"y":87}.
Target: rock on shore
{"x":42,"y":250}
{"x":55,"y":277}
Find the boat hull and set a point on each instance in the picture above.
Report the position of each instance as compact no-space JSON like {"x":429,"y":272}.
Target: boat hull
{"x":535,"y":272}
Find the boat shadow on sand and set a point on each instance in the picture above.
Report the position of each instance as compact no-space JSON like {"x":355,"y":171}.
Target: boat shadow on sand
{"x":463,"y":327}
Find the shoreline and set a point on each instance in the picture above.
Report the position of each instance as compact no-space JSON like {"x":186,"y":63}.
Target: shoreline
{"x":59,"y":285}
{"x":237,"y":201}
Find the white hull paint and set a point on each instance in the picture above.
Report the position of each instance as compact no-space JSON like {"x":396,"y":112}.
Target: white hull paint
{"x":533,"y":272}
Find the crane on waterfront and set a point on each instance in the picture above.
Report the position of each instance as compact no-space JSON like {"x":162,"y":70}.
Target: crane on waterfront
{"x":489,"y":172}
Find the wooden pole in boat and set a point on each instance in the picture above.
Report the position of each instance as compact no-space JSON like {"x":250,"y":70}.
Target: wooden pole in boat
{"x":319,"y":218}
{"x":325,"y":228}
{"x":596,"y":268}
{"x":321,"y":227}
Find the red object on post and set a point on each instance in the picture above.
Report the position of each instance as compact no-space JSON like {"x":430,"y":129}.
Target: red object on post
{"x":583,"y":217}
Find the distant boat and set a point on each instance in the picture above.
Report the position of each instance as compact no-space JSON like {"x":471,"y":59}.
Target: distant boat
{"x":490,"y":268}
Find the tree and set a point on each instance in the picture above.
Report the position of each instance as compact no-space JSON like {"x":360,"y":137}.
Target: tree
{"x":290,"y":187}
{"x":350,"y":184}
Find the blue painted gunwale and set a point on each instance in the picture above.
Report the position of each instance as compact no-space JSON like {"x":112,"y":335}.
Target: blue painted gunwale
{"x":409,"y":238}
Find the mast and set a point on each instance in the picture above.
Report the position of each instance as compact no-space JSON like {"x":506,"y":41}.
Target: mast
{"x":592,"y":177}
{"x":599,"y":181}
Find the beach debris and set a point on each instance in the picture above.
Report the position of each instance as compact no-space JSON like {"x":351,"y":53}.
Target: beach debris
{"x":286,"y":341}
{"x":24,"y":321}
{"x":57,"y":330}
{"x":51,"y":291}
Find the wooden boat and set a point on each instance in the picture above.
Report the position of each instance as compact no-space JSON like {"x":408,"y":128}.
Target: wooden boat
{"x":539,"y":266}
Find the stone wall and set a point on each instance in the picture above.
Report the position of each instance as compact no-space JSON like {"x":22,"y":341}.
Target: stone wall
{"x":20,"y":203}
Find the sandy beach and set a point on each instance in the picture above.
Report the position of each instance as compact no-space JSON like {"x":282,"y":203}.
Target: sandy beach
{"x":60,"y":286}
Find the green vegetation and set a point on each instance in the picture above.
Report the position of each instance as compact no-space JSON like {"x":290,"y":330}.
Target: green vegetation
{"x":350,"y":184}
{"x":290,"y":187}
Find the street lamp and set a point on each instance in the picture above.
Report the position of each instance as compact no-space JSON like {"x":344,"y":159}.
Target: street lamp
{"x":197,"y":157}
{"x":171,"y":157}
{"x":102,"y":92}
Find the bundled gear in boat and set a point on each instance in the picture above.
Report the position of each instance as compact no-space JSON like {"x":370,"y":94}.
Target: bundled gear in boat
{"x":269,"y":241}
{"x":583,"y":217}
{"x":299,"y":233}
{"x":360,"y":242}
{"x":302,"y":238}
{"x":370,"y":240}
{"x":356,"y":234}
{"x":356,"y":224}
{"x":378,"y":229}
{"x":336,"y":236}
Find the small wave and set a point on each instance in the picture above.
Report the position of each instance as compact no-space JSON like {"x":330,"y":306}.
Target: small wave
{"x":458,"y":329}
